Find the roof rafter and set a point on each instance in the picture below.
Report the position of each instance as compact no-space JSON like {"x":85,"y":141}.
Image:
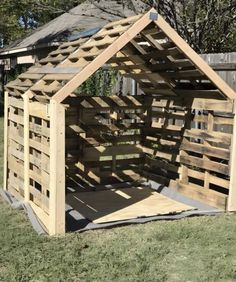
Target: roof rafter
{"x":144,"y":47}
{"x":195,"y":58}
{"x":101,"y":59}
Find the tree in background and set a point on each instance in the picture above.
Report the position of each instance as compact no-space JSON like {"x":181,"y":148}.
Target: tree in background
{"x":18,"y":17}
{"x":207,"y":25}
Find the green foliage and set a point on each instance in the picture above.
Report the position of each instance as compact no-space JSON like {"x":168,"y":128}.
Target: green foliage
{"x":18,"y":17}
{"x":209,"y":26}
{"x":99,"y":84}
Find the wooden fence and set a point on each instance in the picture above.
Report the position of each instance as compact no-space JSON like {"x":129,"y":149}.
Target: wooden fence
{"x":225,"y":65}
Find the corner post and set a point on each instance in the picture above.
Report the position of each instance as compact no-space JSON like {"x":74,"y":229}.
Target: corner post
{"x":57,"y":169}
{"x":26,"y":148}
{"x":6,"y":105}
{"x":231,"y":207}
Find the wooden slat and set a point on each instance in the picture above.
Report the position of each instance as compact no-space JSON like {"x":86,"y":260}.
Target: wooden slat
{"x":37,"y":176}
{"x":37,"y":109}
{"x":196,"y":103}
{"x":218,"y":181}
{"x":14,"y":135}
{"x":31,"y":76}
{"x":16,"y":118}
{"x":212,"y":136}
{"x":207,"y":196}
{"x":128,"y":20}
{"x":16,"y":166}
{"x":206,"y":150}
{"x":232,"y":188}
{"x":57,"y":70}
{"x":195,"y":58}
{"x":205,"y":164}
{"x":38,"y":129}
{"x":39,"y":199}
{"x":16,"y":103}
{"x":39,"y":146}
{"x":26,"y":148}
{"x":102,"y":58}
{"x":97,"y":152}
{"x":42,"y":215}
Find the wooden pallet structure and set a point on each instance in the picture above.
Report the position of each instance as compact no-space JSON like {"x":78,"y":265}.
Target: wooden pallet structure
{"x":180,"y":132}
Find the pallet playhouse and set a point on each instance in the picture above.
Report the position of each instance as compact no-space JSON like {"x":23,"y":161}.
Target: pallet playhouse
{"x":179,"y":132}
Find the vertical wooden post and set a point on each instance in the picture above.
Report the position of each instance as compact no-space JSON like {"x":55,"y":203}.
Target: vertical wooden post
{"x":26,"y":148}
{"x":232,"y":185}
{"x":210,"y":128}
{"x":183,"y":172}
{"x":57,"y":169}
{"x":5,"y":140}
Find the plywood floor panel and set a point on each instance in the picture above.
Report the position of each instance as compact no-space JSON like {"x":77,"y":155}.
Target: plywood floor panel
{"x":123,"y":204}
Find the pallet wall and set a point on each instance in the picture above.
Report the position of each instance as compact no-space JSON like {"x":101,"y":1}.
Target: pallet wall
{"x":103,"y":136}
{"x":188,"y":147}
{"x":39,"y":157}
{"x":181,"y":142}
{"x":15,"y":151}
{"x":28,"y":151}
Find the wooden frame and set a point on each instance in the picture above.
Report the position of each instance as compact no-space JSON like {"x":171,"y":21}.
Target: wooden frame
{"x":50,"y":134}
{"x":195,"y":58}
{"x":232,"y":189}
{"x":26,"y":148}
{"x":57,"y":169}
{"x":101,"y":59}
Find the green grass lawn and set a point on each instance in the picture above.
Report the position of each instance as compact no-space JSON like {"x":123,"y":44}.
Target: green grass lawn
{"x":195,"y":249}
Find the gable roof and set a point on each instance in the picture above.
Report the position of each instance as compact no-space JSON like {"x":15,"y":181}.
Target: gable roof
{"x":143,"y":47}
{"x":85,"y":16}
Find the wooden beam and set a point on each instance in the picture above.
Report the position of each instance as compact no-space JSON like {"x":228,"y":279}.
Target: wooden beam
{"x":101,"y":59}
{"x":232,"y":186}
{"x":5,"y":140}
{"x":26,"y":149}
{"x":57,"y":169}
{"x":207,"y":196}
{"x":195,"y":58}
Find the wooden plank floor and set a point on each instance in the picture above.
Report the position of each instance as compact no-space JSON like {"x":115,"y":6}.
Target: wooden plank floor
{"x":123,"y":204}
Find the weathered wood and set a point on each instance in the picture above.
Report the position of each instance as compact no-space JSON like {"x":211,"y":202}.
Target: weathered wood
{"x":38,"y":110}
{"x":16,"y":102}
{"x":224,"y":64}
{"x":57,"y":169}
{"x":195,"y":58}
{"x":118,"y":44}
{"x":232,"y":187}
{"x":212,"y":136}
{"x":207,"y":196}
{"x":195,"y":103}
{"x":15,"y":165}
{"x":26,"y":148}
{"x":218,"y":181}
{"x":42,"y":215}
{"x":205,"y":164}
{"x":205,"y":150}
